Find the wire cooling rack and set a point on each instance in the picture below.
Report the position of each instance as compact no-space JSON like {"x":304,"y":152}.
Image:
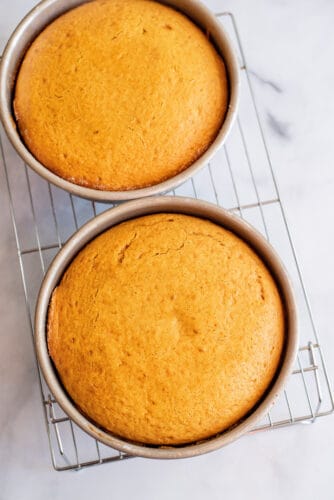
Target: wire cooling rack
{"x":241,"y":179}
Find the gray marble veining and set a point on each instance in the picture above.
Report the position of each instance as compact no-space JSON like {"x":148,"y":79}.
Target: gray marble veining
{"x":278,"y":127}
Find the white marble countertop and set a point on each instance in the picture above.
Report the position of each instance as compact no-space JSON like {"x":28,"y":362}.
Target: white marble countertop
{"x":289,"y":46}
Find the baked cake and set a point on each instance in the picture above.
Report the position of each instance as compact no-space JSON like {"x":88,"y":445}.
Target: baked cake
{"x":166,"y":329}
{"x":120,"y":94}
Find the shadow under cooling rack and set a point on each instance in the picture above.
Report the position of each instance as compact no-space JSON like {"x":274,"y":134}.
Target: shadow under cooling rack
{"x":240,"y":178}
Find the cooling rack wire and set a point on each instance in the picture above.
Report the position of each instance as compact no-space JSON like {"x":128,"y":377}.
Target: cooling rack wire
{"x":241,"y":179}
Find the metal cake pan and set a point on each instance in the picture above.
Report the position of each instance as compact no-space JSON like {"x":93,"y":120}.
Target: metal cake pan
{"x":138,"y":208}
{"x":42,"y":15}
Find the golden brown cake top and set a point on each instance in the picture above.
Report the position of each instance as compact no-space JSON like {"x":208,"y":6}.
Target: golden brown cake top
{"x":120,"y":94}
{"x":166,"y":329}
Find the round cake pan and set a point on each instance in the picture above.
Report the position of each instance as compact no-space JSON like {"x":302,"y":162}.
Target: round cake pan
{"x":138,"y":208}
{"x":42,"y":15}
